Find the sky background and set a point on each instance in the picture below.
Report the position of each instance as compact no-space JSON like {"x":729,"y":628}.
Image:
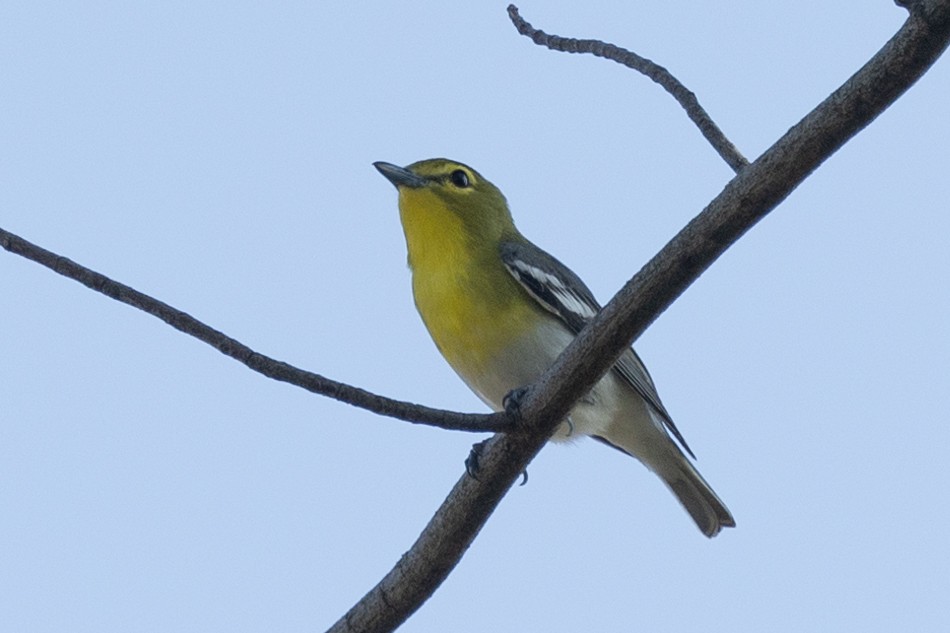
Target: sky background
{"x":218,"y":156}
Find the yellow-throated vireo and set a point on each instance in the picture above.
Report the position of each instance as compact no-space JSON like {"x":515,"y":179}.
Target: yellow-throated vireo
{"x":501,"y":310}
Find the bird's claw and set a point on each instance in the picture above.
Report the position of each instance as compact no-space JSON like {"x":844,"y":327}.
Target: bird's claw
{"x":472,"y":465}
{"x":512,"y":400}
{"x":471,"y":462}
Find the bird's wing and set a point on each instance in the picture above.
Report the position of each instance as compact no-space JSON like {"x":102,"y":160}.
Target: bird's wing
{"x":556,"y":288}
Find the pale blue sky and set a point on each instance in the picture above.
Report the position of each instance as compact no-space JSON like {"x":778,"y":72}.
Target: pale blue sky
{"x":218,"y":156}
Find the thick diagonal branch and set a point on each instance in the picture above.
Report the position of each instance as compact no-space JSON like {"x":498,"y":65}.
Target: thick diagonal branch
{"x":746,"y":199}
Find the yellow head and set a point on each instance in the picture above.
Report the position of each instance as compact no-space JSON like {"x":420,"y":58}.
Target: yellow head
{"x":447,"y":207}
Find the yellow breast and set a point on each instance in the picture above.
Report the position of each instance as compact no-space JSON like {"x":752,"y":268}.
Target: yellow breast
{"x":470,"y":304}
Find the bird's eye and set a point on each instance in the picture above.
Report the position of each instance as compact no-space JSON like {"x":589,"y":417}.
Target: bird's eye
{"x":459,"y":178}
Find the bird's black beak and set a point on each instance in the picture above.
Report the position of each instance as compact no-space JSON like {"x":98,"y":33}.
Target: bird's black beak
{"x":399,"y":176}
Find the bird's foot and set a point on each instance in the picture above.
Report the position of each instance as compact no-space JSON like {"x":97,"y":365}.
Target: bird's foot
{"x":513,"y":399}
{"x":472,"y":465}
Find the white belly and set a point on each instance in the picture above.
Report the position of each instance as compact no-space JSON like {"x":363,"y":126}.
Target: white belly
{"x":523,"y":362}
{"x":613,"y":410}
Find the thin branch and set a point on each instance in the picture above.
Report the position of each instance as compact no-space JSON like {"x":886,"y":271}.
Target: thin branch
{"x":686,"y":98}
{"x":315,"y":383}
{"x":746,"y":199}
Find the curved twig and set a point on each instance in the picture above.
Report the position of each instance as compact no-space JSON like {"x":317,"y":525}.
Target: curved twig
{"x":278,"y":370}
{"x":686,"y":98}
{"x":754,"y":192}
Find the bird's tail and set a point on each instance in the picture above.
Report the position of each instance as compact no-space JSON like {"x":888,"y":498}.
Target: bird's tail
{"x":706,"y":508}
{"x":657,"y":451}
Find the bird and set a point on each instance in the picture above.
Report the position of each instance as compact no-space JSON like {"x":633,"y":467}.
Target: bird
{"x":500,"y":310}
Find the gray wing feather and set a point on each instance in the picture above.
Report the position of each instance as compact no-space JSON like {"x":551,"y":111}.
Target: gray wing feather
{"x":556,"y":288}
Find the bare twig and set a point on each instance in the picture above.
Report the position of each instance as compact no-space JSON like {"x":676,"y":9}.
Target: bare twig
{"x":496,"y":422}
{"x":754,"y":192}
{"x":686,"y":98}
